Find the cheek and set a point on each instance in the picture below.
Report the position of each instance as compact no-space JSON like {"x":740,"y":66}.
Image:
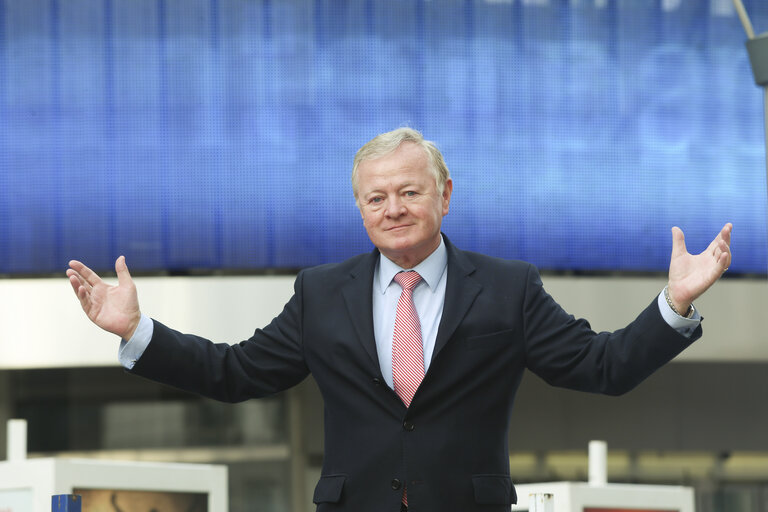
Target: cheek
{"x":370,"y":220}
{"x":435,"y":213}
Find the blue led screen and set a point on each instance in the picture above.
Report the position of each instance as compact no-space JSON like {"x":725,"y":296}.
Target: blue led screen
{"x":218,"y":134}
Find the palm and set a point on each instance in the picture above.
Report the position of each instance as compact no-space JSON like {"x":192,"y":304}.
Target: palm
{"x":113,"y":308}
{"x":691,"y":275}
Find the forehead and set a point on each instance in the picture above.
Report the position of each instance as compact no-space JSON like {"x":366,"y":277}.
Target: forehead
{"x":408,"y":162}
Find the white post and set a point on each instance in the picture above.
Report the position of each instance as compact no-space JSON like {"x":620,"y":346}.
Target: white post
{"x":541,"y":502}
{"x":598,"y":463}
{"x":17,"y":440}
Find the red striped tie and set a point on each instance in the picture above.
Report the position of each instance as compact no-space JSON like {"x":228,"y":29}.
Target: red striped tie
{"x":407,"y":350}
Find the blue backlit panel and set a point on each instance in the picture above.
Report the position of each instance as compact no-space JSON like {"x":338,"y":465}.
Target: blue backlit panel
{"x":213,"y":134}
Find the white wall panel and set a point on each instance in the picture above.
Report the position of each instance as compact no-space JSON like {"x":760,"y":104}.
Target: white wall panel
{"x":42,"y":325}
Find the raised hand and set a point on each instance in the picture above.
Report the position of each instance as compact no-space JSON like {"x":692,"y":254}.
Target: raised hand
{"x":113,"y":308}
{"x":691,"y":275}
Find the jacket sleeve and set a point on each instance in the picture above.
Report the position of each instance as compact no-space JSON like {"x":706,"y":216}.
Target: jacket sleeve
{"x":566,"y":352}
{"x":268,"y":362}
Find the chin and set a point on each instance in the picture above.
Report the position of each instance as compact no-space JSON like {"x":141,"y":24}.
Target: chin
{"x":402,"y":244}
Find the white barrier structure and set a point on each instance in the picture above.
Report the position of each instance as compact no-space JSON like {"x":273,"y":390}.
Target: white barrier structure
{"x":26,"y":485}
{"x":541,"y":503}
{"x":600,"y":496}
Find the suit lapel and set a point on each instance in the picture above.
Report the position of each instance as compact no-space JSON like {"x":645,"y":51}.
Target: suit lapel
{"x":460,"y":292}
{"x":358,"y":297}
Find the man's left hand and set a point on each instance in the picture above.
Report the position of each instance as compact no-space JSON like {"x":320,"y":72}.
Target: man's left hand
{"x":691,"y":275}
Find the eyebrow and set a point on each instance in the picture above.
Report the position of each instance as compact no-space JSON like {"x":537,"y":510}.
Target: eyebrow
{"x":379,"y":190}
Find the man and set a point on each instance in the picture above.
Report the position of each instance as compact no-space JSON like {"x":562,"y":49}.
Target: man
{"x":418,"y":348}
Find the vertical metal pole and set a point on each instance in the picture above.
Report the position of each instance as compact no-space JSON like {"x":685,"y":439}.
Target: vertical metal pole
{"x":541,"y":502}
{"x":744,"y":18}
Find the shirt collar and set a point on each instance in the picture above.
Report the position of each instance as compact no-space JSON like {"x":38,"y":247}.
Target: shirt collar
{"x":430,"y":270}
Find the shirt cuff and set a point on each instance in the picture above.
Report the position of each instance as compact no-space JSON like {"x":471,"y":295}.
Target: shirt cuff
{"x":130,"y":351}
{"x":684,"y":326}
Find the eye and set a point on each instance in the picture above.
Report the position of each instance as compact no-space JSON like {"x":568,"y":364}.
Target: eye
{"x":376,"y":200}
{"x":410,"y":193}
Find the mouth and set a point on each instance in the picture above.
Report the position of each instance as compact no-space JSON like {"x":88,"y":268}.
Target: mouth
{"x":399,"y":227}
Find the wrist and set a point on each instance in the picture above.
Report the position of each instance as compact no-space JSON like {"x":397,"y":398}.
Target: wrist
{"x":683,"y":310}
{"x":128,"y":334}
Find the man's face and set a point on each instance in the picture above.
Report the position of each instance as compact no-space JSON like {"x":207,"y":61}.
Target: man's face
{"x":400,"y":205}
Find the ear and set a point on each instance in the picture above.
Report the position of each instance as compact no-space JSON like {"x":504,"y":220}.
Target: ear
{"x":447,"y":190}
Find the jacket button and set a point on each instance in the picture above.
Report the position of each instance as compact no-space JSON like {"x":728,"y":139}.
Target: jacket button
{"x":377,"y":381}
{"x":407,"y":425}
{"x":396,"y":484}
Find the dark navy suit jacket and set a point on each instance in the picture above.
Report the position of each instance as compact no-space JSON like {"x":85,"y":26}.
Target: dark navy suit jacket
{"x":450,"y":446}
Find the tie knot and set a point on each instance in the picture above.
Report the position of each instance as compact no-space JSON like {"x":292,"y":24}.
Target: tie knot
{"x":408,"y":280}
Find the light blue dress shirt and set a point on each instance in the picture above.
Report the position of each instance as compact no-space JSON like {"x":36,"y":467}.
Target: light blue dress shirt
{"x":428,"y":299}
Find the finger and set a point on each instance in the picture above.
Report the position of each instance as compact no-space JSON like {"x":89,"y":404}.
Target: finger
{"x":74,"y":280}
{"x":77,"y":282}
{"x":725,"y":233}
{"x":678,"y":242}
{"x":725,"y":256}
{"x":723,"y":237}
{"x":72,"y":274}
{"x":722,"y":258}
{"x":86,"y":273}
{"x":123,"y":275}
{"x":83,"y":295}
{"x":80,"y":291}
{"x":75,"y":265}
{"x":722,"y":242}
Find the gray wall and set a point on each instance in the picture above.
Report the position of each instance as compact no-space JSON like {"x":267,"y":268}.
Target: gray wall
{"x":718,"y":407}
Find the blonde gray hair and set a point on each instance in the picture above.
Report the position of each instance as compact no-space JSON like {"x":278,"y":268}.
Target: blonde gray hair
{"x":386,"y":143}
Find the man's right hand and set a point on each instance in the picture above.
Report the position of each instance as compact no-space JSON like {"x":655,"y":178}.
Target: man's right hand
{"x":113,"y":308}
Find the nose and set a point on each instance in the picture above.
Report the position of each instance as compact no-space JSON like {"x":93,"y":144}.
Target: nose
{"x":395,"y":207}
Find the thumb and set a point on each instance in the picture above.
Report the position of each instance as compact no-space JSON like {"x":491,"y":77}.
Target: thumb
{"x":123,"y":275}
{"x":678,"y":242}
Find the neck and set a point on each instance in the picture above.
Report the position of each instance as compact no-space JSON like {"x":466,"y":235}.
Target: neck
{"x":408,"y":260}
